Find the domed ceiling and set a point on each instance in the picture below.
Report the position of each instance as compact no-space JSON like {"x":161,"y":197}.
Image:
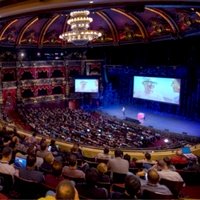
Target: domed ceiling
{"x":39,"y":23}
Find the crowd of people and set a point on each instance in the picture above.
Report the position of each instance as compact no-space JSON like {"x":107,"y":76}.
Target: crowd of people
{"x":62,"y":171}
{"x":97,"y":129}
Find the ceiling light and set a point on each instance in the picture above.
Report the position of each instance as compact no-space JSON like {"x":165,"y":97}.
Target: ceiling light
{"x":80,"y":33}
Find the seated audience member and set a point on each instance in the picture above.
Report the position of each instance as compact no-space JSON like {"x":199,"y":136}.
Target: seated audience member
{"x":83,"y":165}
{"x":64,"y":191}
{"x":168,"y":174}
{"x":77,"y":151}
{"x":132,"y":188}
{"x":52,"y":180}
{"x":30,"y":173}
{"x":47,"y":164}
{"x":14,"y":141}
{"x":133,"y":163}
{"x":43,"y":150}
{"x":42,"y":140}
{"x":71,"y":170}
{"x":90,"y":189}
{"x":31,"y":151}
{"x":102,"y":169}
{"x":118,"y":164}
{"x":5,"y":167}
{"x":179,"y":159}
{"x":105,"y":155}
{"x":193,"y":165}
{"x":147,"y":161}
{"x":31,"y":140}
{"x":169,"y":164}
{"x":128,"y":158}
{"x":53,"y":148}
{"x":152,"y":184}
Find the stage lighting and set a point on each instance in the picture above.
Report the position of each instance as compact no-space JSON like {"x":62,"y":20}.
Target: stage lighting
{"x":166,"y":140}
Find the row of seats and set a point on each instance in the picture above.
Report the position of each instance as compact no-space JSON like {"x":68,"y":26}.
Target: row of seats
{"x":19,"y":188}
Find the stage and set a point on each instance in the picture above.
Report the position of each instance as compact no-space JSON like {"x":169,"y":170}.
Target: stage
{"x":161,"y":121}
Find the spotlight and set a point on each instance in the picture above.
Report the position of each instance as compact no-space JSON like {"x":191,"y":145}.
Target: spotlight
{"x":22,"y":54}
{"x":166,"y":140}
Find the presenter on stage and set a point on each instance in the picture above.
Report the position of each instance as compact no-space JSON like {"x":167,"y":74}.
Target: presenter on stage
{"x":123,"y":111}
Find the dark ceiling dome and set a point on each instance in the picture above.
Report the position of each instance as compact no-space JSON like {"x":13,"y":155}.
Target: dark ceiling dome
{"x":121,"y":23}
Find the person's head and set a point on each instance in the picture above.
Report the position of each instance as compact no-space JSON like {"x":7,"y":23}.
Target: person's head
{"x":167,"y":160}
{"x":153,"y":176}
{"x":179,"y":152}
{"x":118,"y":153}
{"x":57,"y":168}
{"x":7,"y":153}
{"x":52,"y":143}
{"x":49,"y":158}
{"x":176,"y":85}
{"x":134,"y":160}
{"x":132,"y":185}
{"x":72,"y":160}
{"x":92,"y":176}
{"x":148,"y":86}
{"x":127,"y":157}
{"x":162,"y":164}
{"x":42,"y":140}
{"x":102,"y":168}
{"x":31,"y":150}
{"x":43,"y":146}
{"x":65,"y":191}
{"x":31,"y":161}
{"x":147,"y":155}
{"x":34,"y":134}
{"x":75,"y":147}
{"x":106,"y":150}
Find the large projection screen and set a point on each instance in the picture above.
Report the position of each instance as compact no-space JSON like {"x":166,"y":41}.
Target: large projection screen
{"x":157,"y":89}
{"x":87,"y":85}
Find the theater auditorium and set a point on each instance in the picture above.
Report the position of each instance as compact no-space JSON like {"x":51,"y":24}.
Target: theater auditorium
{"x":99,"y":99}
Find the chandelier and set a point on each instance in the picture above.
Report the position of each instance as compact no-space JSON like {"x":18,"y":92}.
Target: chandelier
{"x":80,"y":33}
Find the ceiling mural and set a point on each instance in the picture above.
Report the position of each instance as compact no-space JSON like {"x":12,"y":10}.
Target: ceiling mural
{"x":119,"y":24}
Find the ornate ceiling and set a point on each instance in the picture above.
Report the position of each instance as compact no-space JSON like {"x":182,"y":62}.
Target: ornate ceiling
{"x":39,"y":23}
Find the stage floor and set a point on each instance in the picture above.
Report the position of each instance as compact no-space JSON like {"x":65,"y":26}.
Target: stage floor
{"x":161,"y":121}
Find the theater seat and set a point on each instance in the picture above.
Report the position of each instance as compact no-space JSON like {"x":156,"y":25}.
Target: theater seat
{"x":174,"y":186}
{"x":154,"y":195}
{"x":28,"y":189}
{"x":118,"y":182}
{"x":118,"y":178}
{"x":102,"y":160}
{"x":190,"y":177}
{"x":76,"y":180}
{"x":6,"y":181}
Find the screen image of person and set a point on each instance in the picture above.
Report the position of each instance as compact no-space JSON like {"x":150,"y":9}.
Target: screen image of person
{"x":86,"y":85}
{"x":174,"y":96}
{"x":157,"y":89}
{"x":145,"y":88}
